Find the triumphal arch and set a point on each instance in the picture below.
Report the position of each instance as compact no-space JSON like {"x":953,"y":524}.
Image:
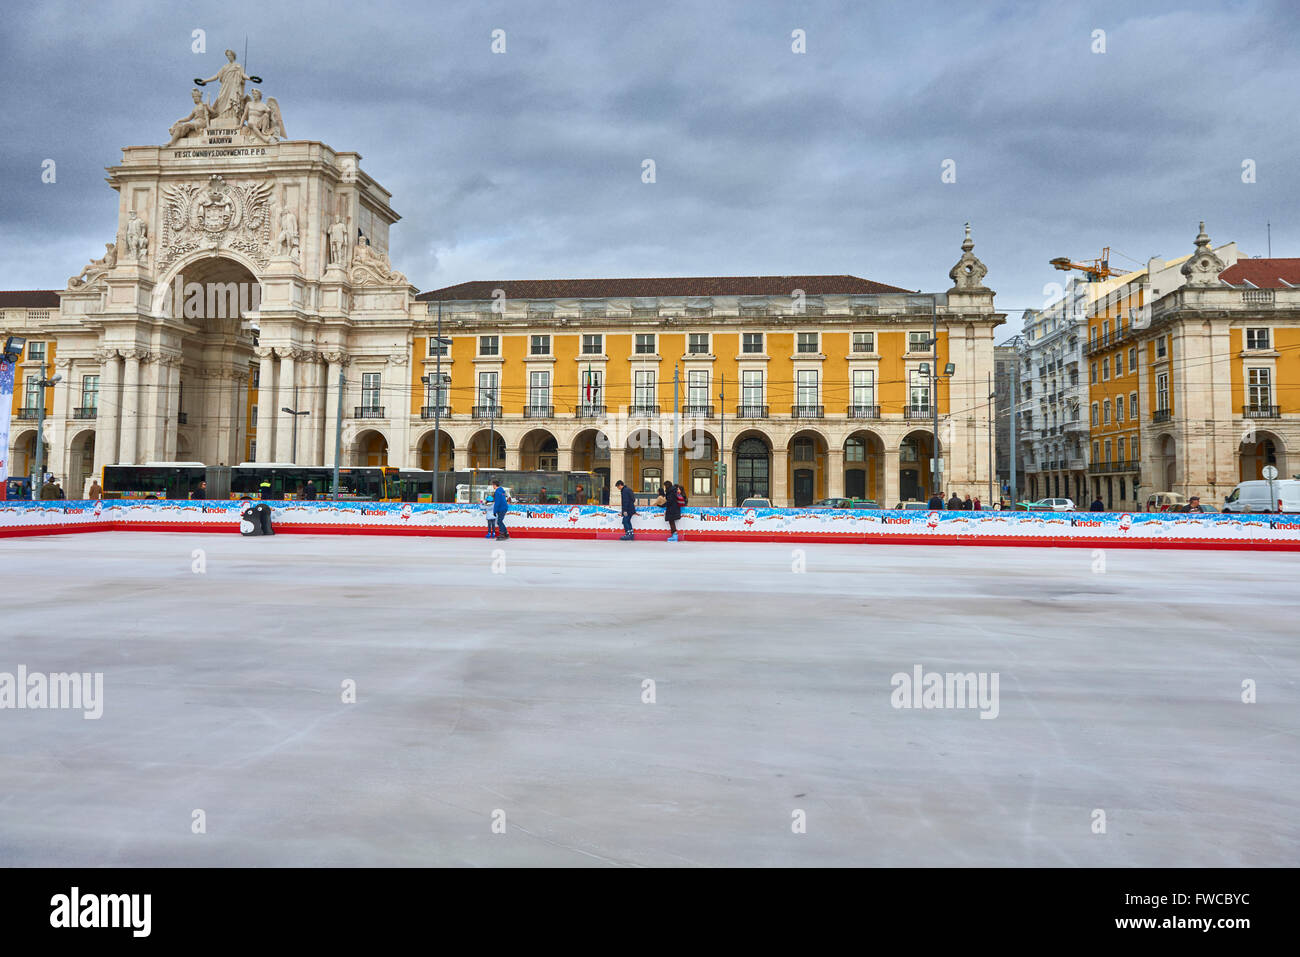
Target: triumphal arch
{"x":248,"y":270}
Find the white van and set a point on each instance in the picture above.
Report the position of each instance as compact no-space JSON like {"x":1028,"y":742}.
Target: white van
{"x":1254,"y":496}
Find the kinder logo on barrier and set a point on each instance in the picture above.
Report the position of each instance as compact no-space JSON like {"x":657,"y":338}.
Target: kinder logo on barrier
{"x":373,"y":511}
{"x":1085,"y":523}
{"x":208,"y":510}
{"x":714,"y":518}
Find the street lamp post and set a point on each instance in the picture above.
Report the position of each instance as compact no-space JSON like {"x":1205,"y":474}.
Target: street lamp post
{"x":295,"y":412}
{"x":42,"y":384}
{"x":437,"y":408}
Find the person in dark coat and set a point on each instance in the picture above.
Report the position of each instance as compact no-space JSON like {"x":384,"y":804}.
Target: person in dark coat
{"x":1097,"y":506}
{"x":672,"y":508}
{"x":627,"y":508}
{"x":936,"y":502}
{"x":954,"y":503}
{"x":309,"y":491}
{"x":201,"y":492}
{"x":968,"y":505}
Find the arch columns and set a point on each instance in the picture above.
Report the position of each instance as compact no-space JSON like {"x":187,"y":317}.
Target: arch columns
{"x":266,"y":395}
{"x":835,"y":472}
{"x":780,"y":478}
{"x":891,"y":476}
{"x":108,"y":416}
{"x":130,"y":406}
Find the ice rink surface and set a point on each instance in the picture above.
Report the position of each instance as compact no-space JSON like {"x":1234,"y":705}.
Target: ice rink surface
{"x":505,"y":682}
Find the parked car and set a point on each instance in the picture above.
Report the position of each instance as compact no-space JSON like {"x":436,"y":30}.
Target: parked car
{"x":1164,"y":501}
{"x":865,"y":503}
{"x":1255,"y":496}
{"x":833,"y":503}
{"x":756,"y":503}
{"x":913,"y":506}
{"x":1053,"y":505}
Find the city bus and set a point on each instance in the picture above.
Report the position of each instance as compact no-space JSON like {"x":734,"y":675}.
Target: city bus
{"x":278,"y":481}
{"x":525,"y":486}
{"x":170,"y":480}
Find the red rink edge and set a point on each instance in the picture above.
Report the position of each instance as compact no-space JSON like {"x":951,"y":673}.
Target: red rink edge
{"x":660,"y":535}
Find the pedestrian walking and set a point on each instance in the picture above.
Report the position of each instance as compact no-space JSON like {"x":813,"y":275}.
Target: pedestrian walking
{"x":500,"y":505}
{"x":627,"y":508}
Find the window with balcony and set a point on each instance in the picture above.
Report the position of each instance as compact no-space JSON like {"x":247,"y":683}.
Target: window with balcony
{"x":864,"y":342}
{"x":370,"y":390}
{"x":1106,"y":448}
{"x":643,"y":392}
{"x":436,"y":395}
{"x":90,"y":392}
{"x":918,"y":342}
{"x":864,"y":394}
{"x":488,"y":395}
{"x":806,"y":343}
{"x":751,"y":343}
{"x":539,"y":395}
{"x":1119,"y":449}
{"x":1162,"y":392}
{"x":751,"y":391}
{"x":593,"y":395}
{"x":697,"y":344}
{"x":1257,"y":338}
{"x":593,"y":345}
{"x":489,"y":345}
{"x":918,"y":393}
{"x":645,"y":343}
{"x":539,"y":346}
{"x":806,"y":394}
{"x":697,"y":392}
{"x":1259,"y":385}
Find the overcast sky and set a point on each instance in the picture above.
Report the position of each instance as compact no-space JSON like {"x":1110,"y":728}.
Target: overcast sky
{"x":528,"y":164}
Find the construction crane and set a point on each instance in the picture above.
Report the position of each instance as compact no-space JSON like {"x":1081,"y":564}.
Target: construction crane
{"x":1095,"y":269}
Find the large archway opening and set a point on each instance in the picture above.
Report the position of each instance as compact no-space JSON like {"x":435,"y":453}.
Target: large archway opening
{"x":539,"y":451}
{"x":370,"y":448}
{"x":864,"y":467}
{"x":915,"y":453}
{"x":481,"y":452}
{"x":446,"y":451}
{"x":81,"y":463}
{"x":1265,"y":449}
{"x":207,"y":395}
{"x":647,"y":459}
{"x":753,"y":467}
{"x":807,"y":465}
{"x":591,"y":454}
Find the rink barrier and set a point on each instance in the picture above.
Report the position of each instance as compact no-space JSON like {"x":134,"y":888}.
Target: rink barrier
{"x":1050,"y":529}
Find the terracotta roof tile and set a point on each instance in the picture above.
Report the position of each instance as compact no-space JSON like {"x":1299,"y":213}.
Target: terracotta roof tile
{"x":1264,"y":273}
{"x":671,"y":286}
